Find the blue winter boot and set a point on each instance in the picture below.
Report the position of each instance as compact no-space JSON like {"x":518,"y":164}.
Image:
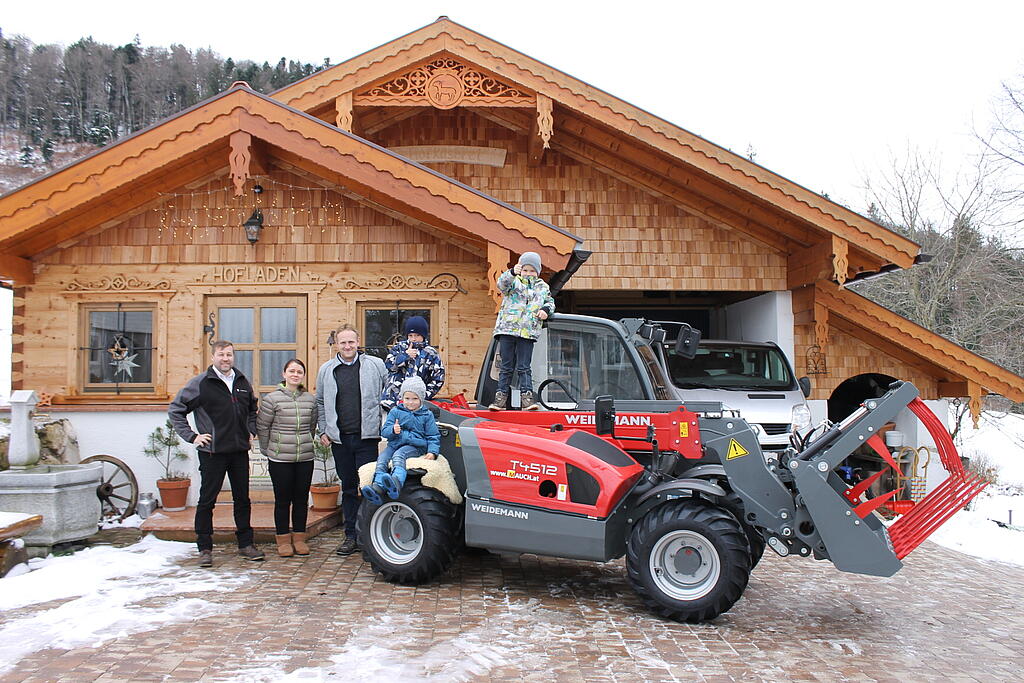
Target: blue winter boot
{"x":399,"y":474}
{"x":391,"y":486}
{"x":373,"y":493}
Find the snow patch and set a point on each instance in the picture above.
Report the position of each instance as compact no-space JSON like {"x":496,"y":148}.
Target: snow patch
{"x":12,"y":518}
{"x":132,"y":522}
{"x":107,"y":586}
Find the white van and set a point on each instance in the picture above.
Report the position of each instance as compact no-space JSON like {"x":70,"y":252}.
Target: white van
{"x":753,"y":378}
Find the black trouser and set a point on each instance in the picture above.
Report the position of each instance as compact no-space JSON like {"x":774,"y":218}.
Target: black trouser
{"x":212,"y":468}
{"x":352,"y":453}
{"x":291,"y":494}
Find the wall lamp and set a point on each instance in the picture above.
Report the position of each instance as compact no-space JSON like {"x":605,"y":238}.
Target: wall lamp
{"x":253,"y":226}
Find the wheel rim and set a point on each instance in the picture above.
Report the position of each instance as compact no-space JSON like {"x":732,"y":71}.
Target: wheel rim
{"x":685,"y":565}
{"x":397,"y":533}
{"x":118,"y":489}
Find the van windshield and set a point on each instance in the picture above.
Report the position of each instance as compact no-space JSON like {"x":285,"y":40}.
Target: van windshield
{"x":734,"y":366}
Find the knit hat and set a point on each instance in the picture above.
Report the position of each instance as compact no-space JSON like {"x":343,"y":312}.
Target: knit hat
{"x":416,"y":386}
{"x":417,"y":324}
{"x":530,"y":258}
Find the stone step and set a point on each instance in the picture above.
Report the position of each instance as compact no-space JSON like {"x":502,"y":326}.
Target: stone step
{"x":180,"y":526}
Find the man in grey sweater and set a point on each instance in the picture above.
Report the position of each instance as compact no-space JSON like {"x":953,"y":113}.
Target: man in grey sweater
{"x":348,"y":388}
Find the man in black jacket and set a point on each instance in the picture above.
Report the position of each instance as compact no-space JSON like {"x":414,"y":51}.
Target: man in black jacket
{"x":223,"y":404}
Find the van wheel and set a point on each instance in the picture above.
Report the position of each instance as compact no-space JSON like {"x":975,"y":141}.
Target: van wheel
{"x":688,"y":561}
{"x":409,"y":540}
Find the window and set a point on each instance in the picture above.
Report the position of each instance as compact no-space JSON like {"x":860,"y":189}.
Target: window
{"x":266,"y":332}
{"x":117,"y":352}
{"x":589,"y":361}
{"x":383,"y":325}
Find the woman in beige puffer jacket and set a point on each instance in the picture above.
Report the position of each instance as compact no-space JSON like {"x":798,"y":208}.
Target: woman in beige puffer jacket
{"x":285,"y":425}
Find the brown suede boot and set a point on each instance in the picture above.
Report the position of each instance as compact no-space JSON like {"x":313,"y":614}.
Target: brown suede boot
{"x":299,"y":542}
{"x":284,"y":545}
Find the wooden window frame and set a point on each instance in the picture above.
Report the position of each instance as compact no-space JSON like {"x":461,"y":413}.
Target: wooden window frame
{"x":80,"y":304}
{"x":255,"y":301}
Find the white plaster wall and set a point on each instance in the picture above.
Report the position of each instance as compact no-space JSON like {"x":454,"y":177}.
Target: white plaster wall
{"x":768,"y":317}
{"x":124,"y":435}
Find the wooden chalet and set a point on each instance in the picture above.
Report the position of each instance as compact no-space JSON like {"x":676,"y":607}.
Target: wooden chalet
{"x":403,"y":180}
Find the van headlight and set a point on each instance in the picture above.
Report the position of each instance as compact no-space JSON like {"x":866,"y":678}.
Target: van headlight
{"x":801,"y":417}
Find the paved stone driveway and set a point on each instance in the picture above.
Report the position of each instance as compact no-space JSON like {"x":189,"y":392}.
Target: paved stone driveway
{"x":945,"y":617}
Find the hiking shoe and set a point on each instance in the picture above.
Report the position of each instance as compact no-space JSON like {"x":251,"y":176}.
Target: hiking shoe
{"x":529,"y":400}
{"x":205,"y":558}
{"x":251,"y":552}
{"x":500,"y":401}
{"x":347,"y":547}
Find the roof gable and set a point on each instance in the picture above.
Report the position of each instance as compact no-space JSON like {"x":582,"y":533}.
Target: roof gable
{"x":112,"y":182}
{"x":761,"y":201}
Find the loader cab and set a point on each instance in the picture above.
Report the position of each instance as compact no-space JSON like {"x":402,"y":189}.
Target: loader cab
{"x":584,"y":357}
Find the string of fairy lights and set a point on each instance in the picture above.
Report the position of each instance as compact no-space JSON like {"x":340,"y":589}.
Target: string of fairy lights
{"x":197,"y":214}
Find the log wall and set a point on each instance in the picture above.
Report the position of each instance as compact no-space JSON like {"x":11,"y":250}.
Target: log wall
{"x":177,"y":253}
{"x":639,"y":241}
{"x":848,"y":357}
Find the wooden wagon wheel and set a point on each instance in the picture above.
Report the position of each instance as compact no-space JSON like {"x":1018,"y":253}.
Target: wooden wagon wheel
{"x":118,"y":490}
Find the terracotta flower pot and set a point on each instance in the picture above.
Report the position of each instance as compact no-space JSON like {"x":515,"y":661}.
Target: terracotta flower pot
{"x":325,"y":497}
{"x":173,"y":493}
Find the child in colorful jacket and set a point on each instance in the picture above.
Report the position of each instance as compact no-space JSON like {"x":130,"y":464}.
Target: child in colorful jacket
{"x":526,"y":304}
{"x":411,"y":431}
{"x":412,"y":357}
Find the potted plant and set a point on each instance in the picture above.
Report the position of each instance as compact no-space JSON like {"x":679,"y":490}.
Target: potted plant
{"x":165,"y":446}
{"x":325,"y":489}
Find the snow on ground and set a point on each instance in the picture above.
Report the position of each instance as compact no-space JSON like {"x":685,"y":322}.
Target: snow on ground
{"x":1000,"y":439}
{"x":107,"y":588}
{"x":132,"y":522}
{"x":528,"y":632}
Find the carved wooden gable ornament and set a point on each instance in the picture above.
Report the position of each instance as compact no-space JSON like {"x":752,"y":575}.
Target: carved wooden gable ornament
{"x":444,"y":83}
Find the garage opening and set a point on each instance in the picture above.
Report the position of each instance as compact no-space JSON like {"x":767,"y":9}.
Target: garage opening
{"x":854,"y":391}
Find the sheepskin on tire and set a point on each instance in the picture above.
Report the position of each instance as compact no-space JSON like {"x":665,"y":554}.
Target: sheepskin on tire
{"x":412,"y":539}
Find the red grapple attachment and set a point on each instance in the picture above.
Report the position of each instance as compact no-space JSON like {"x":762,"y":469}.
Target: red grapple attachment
{"x":919,"y":520}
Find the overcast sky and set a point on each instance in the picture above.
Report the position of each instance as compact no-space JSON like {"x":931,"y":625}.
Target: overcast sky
{"x":823,"y":92}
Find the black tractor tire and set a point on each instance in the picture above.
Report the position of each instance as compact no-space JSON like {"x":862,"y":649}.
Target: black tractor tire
{"x":689,"y":560}
{"x":754,"y":537}
{"x":410,"y":540}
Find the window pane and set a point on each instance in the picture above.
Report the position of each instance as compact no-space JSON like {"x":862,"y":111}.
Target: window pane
{"x":277,"y":325}
{"x":243,"y":361}
{"x":120,"y":347}
{"x":590,"y":362}
{"x":235,"y":325}
{"x":272,"y":363}
{"x":382,"y":327}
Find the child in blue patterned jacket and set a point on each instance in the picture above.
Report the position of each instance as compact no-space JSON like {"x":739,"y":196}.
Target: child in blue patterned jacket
{"x":411,"y":431}
{"x":412,"y":357}
{"x":526,"y":304}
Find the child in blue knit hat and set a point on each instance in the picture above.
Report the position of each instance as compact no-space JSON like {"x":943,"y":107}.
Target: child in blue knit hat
{"x":412,"y":357}
{"x":411,"y":431}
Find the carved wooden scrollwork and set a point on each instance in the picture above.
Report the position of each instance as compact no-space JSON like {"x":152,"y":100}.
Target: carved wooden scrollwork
{"x":545,"y":120}
{"x":239,"y":159}
{"x":445,"y":83}
{"x":497,"y":262}
{"x":343,"y":104}
{"x":443,"y":282}
{"x":840,"y":259}
{"x":118,"y":283}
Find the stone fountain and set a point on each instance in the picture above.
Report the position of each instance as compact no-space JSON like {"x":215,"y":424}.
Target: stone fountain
{"x":65,"y":495}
